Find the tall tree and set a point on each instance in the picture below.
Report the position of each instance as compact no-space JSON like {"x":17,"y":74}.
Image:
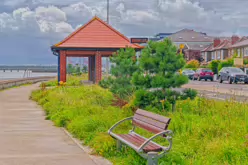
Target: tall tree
{"x":124,"y":65}
{"x":158,"y":75}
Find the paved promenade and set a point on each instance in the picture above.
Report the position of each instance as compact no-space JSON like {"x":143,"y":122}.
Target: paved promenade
{"x":26,"y":138}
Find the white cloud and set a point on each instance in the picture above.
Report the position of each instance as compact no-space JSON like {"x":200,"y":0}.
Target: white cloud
{"x":47,"y":21}
{"x":42,"y":19}
{"x":164,"y":15}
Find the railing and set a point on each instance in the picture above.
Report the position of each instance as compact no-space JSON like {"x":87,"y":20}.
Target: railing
{"x":17,"y":82}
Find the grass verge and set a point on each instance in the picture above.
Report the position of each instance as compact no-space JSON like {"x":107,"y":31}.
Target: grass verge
{"x":205,"y":131}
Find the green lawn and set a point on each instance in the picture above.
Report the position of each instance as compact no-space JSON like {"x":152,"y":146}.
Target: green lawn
{"x":205,"y":131}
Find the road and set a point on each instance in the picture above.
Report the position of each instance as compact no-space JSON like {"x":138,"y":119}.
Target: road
{"x":221,"y":91}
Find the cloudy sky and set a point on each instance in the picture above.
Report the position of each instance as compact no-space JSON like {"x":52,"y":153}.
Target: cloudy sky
{"x":29,"y":27}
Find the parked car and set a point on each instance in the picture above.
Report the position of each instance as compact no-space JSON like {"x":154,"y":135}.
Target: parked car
{"x":232,"y":75}
{"x":203,"y":73}
{"x":189,"y":73}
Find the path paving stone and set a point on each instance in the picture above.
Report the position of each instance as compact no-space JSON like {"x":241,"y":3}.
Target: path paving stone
{"x":26,"y":138}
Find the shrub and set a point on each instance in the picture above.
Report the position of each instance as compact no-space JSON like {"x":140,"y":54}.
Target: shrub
{"x":226,"y":63}
{"x":192,"y":64}
{"x":214,"y":66}
{"x":245,"y":61}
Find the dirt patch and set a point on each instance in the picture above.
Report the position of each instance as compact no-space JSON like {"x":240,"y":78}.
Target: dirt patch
{"x":118,"y":102}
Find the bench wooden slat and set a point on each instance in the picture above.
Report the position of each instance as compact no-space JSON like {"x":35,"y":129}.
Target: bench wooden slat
{"x":151,"y":121}
{"x":153,"y":116}
{"x":138,"y":141}
{"x":147,"y":126}
{"x":135,"y":137}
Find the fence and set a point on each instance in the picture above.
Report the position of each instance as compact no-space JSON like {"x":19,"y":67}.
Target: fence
{"x":17,"y":82}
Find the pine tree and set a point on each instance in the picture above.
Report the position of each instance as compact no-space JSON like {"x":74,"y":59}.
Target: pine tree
{"x":124,"y":65}
{"x":158,"y":75}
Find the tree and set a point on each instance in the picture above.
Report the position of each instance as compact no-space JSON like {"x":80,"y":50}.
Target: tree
{"x":70,"y":69}
{"x":124,"y":66}
{"x":78,"y":70}
{"x":85,"y":69}
{"x":158,"y":74}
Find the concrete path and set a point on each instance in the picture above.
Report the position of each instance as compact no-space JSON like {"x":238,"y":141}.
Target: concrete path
{"x":26,"y":138}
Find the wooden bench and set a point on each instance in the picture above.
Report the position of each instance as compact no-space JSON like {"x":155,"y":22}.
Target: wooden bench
{"x":146,"y":148}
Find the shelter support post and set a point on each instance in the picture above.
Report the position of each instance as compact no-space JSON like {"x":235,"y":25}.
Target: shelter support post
{"x":59,"y":68}
{"x":89,"y":68}
{"x":62,"y":66}
{"x":98,"y":65}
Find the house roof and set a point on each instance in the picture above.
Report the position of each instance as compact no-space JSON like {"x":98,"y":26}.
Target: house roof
{"x":208,"y":48}
{"x":225,"y":44}
{"x":187,"y":35}
{"x":243,"y":42}
{"x":96,"y":34}
{"x":196,"y":46}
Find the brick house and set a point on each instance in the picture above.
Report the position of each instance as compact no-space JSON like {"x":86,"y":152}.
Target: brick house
{"x":240,"y":49}
{"x":219,"y":49}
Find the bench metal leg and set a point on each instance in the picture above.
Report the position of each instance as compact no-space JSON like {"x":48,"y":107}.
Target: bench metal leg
{"x":118,"y":144}
{"x":152,"y":158}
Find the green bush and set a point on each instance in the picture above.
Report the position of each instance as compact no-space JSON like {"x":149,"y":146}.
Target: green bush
{"x":226,"y":63}
{"x":245,"y":61}
{"x":193,"y":64}
{"x":214,"y":66}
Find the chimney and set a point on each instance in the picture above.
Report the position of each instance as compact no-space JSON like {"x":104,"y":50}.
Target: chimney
{"x":234,"y":39}
{"x":216,"y":42}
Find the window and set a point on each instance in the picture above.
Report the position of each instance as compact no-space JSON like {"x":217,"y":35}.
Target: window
{"x":212,"y":54}
{"x":218,"y":54}
{"x":246,"y":51}
{"x":238,"y":52}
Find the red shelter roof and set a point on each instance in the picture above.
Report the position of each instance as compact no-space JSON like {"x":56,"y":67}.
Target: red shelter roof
{"x":96,"y":34}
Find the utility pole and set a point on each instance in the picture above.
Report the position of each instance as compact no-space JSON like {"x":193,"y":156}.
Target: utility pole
{"x":107,"y":58}
{"x":108,"y":11}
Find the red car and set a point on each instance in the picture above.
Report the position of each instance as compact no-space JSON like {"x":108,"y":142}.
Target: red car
{"x":203,"y":74}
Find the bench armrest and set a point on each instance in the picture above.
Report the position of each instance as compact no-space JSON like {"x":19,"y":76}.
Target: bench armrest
{"x":168,"y":134}
{"x":118,"y":123}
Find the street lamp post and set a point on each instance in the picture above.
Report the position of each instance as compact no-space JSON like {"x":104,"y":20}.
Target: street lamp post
{"x":107,"y":58}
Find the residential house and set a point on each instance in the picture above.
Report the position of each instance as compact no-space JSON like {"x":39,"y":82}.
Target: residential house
{"x":240,"y":49}
{"x":219,"y":49}
{"x":194,"y":42}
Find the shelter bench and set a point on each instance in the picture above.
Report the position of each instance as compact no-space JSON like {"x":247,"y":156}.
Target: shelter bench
{"x":146,"y":148}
